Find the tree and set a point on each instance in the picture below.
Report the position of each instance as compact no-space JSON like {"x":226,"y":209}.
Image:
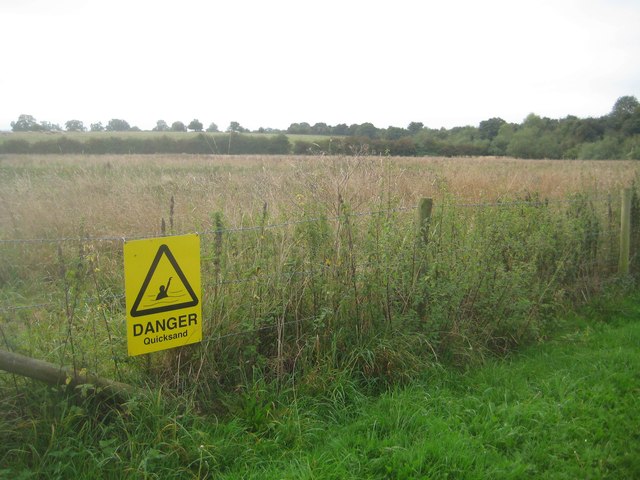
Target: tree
{"x":320,"y":128}
{"x":161,"y":126}
{"x":97,"y":127}
{"x":195,"y":125}
{"x":532,"y":140}
{"x":395,"y":133}
{"x":75,"y":126}
{"x":625,"y":106}
{"x":235,"y":127}
{"x":212,"y":127}
{"x":26,"y":123}
{"x":415,"y":127}
{"x":489,"y":128}
{"x":50,"y":127}
{"x":118,"y":125}
{"x":589,"y":130}
{"x":340,"y":129}
{"x":366,"y":129}
{"x":631,"y":125}
{"x":625,"y":115}
{"x":279,"y":145}
{"x":178,"y":126}
{"x":501,"y":141}
{"x":533,"y":121}
{"x":299,"y":128}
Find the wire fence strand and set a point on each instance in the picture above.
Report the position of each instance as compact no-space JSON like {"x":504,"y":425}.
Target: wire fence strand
{"x":254,"y":228}
{"x":602,"y":235}
{"x":213,"y":337}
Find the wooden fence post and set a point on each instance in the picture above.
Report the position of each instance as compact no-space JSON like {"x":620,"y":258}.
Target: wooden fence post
{"x":425,"y":205}
{"x":625,"y":232}
{"x":423,"y":218}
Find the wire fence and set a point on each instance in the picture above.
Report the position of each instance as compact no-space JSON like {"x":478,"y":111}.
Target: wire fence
{"x":256,"y":228}
{"x":369,"y":272}
{"x":599,"y":233}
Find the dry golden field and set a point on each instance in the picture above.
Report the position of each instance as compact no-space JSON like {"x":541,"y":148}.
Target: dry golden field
{"x":57,"y":196}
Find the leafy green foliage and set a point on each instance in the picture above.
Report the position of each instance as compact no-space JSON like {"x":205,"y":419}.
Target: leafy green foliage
{"x":195,"y":125}
{"x":75,"y":126}
{"x":233,"y":144}
{"x":562,"y":409}
{"x":161,"y":126}
{"x":235,"y":127}
{"x":117,"y":125}
{"x":26,"y":123}
{"x":178,"y":126}
{"x":612,"y":136}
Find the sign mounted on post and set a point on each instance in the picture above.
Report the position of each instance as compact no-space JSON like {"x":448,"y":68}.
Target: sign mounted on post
{"x":162,"y":289}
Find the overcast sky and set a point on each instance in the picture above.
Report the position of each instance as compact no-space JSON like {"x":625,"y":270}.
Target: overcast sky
{"x":271,"y":63}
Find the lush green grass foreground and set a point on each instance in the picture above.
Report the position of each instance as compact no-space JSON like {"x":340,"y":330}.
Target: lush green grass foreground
{"x":564,"y":409}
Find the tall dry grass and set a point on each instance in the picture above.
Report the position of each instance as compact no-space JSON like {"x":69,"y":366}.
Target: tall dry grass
{"x":49,"y":196}
{"x":342,"y":292}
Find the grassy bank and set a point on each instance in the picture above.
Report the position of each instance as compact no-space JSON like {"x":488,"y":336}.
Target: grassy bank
{"x":563,"y":409}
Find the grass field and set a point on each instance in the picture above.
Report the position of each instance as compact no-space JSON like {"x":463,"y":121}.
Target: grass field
{"x":319,"y":289}
{"x":129,"y":195}
{"x":564,"y":409}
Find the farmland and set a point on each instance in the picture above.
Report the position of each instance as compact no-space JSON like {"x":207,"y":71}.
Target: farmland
{"x":314,"y":273}
{"x":127,"y":195}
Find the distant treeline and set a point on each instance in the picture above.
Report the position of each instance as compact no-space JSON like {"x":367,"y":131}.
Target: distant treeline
{"x":612,"y":136}
{"x":207,"y":144}
{"x":204,"y":144}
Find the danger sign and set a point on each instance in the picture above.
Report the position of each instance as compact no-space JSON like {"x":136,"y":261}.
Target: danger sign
{"x":162,"y":288}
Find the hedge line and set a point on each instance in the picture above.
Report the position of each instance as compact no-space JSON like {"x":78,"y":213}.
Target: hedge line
{"x":203,"y":144}
{"x":200,"y":144}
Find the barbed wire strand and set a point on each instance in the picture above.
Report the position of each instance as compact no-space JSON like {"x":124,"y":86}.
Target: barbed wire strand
{"x":534,"y":203}
{"x":33,"y":306}
{"x":92,"y":299}
{"x":212,"y":337}
{"x":603,"y":235}
{"x":253,"y":228}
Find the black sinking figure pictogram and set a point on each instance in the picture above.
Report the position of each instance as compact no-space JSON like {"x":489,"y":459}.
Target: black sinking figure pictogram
{"x":164,"y":290}
{"x":138,"y":310}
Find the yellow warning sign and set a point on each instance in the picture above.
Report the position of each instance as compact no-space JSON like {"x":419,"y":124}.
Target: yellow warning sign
{"x":162,"y":289}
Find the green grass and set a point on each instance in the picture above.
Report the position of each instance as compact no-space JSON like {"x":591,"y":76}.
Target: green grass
{"x":567,"y":408}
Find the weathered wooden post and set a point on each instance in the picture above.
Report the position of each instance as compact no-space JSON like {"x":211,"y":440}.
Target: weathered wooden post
{"x":423,"y":219}
{"x":57,"y":375}
{"x":425,"y":205}
{"x":625,"y":232}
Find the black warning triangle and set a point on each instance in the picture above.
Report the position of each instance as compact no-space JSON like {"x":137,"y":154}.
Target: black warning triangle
{"x":193,"y":301}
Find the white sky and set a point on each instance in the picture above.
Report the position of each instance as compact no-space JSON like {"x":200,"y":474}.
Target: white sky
{"x":273,"y":62}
